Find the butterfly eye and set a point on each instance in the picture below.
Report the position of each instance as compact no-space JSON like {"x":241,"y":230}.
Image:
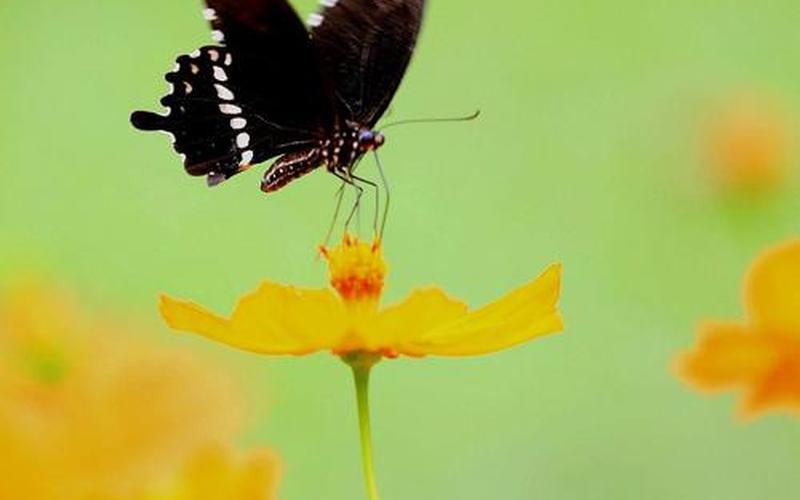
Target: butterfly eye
{"x":366,"y":136}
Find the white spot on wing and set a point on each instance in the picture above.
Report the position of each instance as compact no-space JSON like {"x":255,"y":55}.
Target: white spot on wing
{"x":247,"y":157}
{"x":315,"y":20}
{"x":243,"y":140}
{"x":223,"y":92}
{"x":218,"y":36}
{"x":238,"y":123}
{"x":171,"y":136}
{"x":228,"y":59}
{"x":195,"y":69}
{"x":210,"y":14}
{"x":214,"y":55}
{"x":230,"y":109}
{"x":195,"y":54}
{"x":327,"y":3}
{"x":220,"y":75}
{"x":189,"y":87}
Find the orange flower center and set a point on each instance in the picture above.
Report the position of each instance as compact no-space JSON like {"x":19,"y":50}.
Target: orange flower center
{"x":357,"y":269}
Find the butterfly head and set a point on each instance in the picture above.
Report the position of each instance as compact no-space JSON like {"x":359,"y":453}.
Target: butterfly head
{"x":369,"y":140}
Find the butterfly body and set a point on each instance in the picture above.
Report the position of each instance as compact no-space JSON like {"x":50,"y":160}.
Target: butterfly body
{"x":339,"y":154}
{"x":271,"y":88}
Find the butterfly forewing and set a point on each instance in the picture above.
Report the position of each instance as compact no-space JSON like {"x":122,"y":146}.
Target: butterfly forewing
{"x":364,"y":48}
{"x":274,"y":65}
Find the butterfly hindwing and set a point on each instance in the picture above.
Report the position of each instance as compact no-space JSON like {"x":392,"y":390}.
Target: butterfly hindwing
{"x":364,"y":48}
{"x":256,"y":95}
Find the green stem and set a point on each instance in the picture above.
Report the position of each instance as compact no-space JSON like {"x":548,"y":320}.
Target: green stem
{"x":361,"y":373}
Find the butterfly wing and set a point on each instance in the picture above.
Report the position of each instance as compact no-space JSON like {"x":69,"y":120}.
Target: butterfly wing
{"x":256,"y":94}
{"x":364,"y":47}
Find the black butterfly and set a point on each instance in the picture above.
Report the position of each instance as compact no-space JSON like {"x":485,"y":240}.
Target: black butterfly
{"x":270,"y":87}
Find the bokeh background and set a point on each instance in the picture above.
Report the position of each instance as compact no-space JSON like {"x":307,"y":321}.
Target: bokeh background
{"x":593,"y":149}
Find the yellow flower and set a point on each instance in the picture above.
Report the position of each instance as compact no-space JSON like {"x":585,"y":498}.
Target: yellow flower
{"x":761,"y":355}
{"x":278,"y":319}
{"x":351,"y":323}
{"x":88,"y":414}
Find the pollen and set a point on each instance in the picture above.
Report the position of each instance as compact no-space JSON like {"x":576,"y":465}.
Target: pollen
{"x":356,"y":269}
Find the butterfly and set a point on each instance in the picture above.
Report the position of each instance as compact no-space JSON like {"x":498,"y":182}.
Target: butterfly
{"x":269,"y":87}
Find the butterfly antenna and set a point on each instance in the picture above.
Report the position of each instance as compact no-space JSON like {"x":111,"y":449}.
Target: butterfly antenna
{"x":467,"y":118}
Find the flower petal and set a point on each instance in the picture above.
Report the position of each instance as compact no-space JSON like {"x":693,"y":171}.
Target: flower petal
{"x":780,"y":388}
{"x":529,"y":312}
{"x":726,"y":356}
{"x":421,"y":312}
{"x":772,"y":290}
{"x":274,"y":319}
{"x":215,"y":473}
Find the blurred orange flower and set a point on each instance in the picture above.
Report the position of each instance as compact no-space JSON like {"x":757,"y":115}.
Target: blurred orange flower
{"x":214,"y":474}
{"x":749,"y":144}
{"x":762,"y":355}
{"x":85,"y":414}
{"x":277,"y":319}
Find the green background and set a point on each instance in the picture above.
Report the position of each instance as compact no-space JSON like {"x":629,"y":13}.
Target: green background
{"x":585,"y":154}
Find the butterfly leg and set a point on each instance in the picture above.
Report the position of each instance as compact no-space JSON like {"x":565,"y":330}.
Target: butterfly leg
{"x":388,"y":191}
{"x":356,"y":206}
{"x":377,"y":202}
{"x":339,"y":197}
{"x":348,"y":179}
